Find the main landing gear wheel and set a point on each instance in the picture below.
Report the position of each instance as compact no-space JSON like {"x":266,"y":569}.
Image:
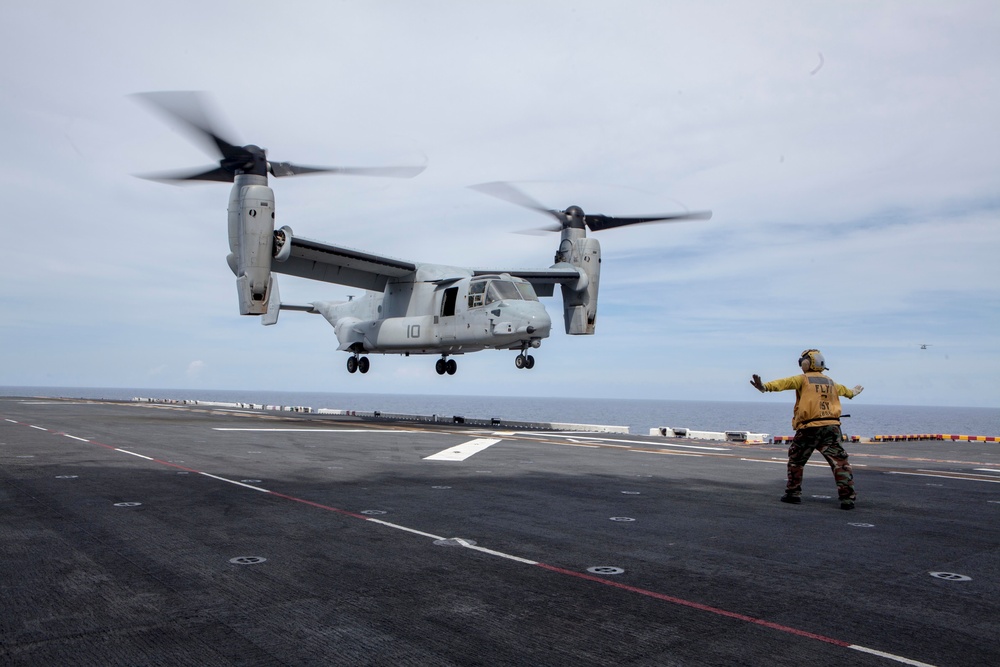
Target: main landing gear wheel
{"x":524,"y":361}
{"x":448,"y":366}
{"x":355,"y":364}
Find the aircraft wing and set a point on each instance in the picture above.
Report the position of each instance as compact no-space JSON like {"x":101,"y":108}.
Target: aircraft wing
{"x":542,"y":280}
{"x":328,"y":263}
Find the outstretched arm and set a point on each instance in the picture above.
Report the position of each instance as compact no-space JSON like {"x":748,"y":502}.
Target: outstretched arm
{"x":849,"y":393}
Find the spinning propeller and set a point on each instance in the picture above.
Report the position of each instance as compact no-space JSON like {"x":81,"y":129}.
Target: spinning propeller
{"x":190,"y":110}
{"x":574,"y":215}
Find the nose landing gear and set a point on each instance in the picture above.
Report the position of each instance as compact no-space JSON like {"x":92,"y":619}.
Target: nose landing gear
{"x":445,"y":365}
{"x":358,"y":363}
{"x":524,"y":361}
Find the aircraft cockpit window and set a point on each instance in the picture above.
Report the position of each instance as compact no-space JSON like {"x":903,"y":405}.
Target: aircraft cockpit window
{"x":527,"y":291}
{"x":500,"y":290}
{"x":482,"y":292}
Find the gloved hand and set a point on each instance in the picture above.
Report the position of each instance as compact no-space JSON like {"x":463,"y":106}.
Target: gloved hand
{"x":858,"y":389}
{"x":757,"y":384}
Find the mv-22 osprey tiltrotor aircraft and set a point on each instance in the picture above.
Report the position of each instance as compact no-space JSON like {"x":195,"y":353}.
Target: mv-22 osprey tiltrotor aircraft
{"x":408,"y":307}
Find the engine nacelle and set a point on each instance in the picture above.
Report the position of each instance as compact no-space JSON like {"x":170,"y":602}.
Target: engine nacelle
{"x":580,"y":299}
{"x":251,"y":240}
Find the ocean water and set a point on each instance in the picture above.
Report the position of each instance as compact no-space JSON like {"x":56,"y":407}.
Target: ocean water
{"x":764,"y":416}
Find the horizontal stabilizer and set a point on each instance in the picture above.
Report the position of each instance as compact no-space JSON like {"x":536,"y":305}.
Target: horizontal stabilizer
{"x":274,"y":305}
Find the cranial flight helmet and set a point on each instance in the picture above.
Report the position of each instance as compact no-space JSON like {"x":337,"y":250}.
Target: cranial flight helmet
{"x":812,"y":360}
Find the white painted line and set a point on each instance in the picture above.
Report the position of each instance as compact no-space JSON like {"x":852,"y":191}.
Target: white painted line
{"x":10,"y":420}
{"x":784,"y":463}
{"x":317,"y":430}
{"x":988,"y":470}
{"x":666,"y":453}
{"x":463,"y":451}
{"x":945,"y":476}
{"x":576,"y":444}
{"x":408,"y":530}
{"x":76,"y":438}
{"x":633,"y":442}
{"x":39,"y":428}
{"x":125,"y":451}
{"x":491,"y":552}
{"x":890,"y":656}
{"x":232,"y":481}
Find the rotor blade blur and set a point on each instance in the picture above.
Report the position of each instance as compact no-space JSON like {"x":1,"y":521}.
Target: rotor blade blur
{"x":215,"y":174}
{"x":539,"y":231}
{"x":509,"y":193}
{"x":189,"y":111}
{"x":289,"y":169}
{"x":597,"y":223}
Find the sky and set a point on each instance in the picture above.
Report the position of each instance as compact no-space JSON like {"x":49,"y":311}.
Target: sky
{"x":848,"y":150}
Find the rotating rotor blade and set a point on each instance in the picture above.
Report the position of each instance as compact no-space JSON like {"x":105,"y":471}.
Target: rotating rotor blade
{"x":597,"y":223}
{"x":573,"y":215}
{"x":289,"y":169}
{"x":509,"y":193}
{"x":190,"y":111}
{"x":215,"y":174}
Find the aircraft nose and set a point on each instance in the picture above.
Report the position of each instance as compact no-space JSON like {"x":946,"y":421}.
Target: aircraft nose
{"x":539,"y":322}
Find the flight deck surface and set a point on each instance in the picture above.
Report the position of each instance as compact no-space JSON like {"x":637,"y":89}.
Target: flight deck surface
{"x":143,"y":534}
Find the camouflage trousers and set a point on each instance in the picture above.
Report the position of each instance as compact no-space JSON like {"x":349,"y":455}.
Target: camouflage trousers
{"x":825,"y":440}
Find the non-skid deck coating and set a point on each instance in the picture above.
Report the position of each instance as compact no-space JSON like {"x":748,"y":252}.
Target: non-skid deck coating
{"x":135,"y":534}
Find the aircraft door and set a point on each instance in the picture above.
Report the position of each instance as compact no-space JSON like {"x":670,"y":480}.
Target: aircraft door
{"x":449,"y":301}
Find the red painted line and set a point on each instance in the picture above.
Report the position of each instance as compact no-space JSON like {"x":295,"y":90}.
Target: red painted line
{"x":696,"y":605}
{"x":319,"y":505}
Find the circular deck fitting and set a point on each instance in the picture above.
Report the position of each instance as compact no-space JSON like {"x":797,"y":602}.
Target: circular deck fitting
{"x":950,"y":576}
{"x":127,"y":504}
{"x":622,"y":518}
{"x":247,"y":560}
{"x":605,"y":569}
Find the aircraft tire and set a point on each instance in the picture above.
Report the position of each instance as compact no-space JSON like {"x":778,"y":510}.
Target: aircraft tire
{"x":451,"y":366}
{"x":364,"y":364}
{"x":352,"y":364}
{"x":520,"y":361}
{"x":529,"y":361}
{"x":440,"y":366}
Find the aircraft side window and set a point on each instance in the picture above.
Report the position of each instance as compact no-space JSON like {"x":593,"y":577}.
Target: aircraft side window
{"x":476,"y":293}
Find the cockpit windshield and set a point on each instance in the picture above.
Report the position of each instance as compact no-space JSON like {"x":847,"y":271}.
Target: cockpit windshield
{"x":500,"y":290}
{"x":482,"y":292}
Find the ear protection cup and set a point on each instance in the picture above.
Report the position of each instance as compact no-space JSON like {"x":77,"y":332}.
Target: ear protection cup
{"x":815,"y":359}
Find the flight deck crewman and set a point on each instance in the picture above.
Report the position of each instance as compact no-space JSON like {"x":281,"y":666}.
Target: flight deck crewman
{"x":816,"y":420}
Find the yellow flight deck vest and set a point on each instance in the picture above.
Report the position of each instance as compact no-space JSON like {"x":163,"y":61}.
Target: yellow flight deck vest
{"x":817,"y":399}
